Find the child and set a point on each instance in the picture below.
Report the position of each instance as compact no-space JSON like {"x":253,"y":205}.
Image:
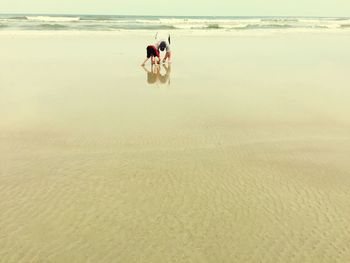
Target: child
{"x":164,"y":45}
{"x":153,"y":53}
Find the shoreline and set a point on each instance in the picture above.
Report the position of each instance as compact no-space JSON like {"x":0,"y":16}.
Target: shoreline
{"x":180,"y":33}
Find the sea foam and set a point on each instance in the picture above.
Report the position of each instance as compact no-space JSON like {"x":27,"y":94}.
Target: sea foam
{"x":212,"y":24}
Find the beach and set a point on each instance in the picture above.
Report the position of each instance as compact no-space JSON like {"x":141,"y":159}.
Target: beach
{"x":241,"y":154}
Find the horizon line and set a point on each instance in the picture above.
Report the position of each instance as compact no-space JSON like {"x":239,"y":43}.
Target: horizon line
{"x":91,"y":14}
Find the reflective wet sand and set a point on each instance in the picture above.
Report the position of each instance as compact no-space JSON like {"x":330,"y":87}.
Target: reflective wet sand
{"x":241,"y":155}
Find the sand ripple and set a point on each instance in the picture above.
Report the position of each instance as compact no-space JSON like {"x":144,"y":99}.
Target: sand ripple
{"x":253,"y":202}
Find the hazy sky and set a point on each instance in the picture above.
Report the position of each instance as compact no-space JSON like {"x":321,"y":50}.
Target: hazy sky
{"x":181,"y":7}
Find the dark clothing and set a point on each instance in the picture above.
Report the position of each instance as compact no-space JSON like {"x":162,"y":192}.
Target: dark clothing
{"x":163,"y":45}
{"x":152,"y":51}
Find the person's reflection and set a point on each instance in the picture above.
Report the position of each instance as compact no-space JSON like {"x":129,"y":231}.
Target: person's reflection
{"x":157,"y":76}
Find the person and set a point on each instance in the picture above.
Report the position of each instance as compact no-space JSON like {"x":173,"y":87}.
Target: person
{"x":153,"y":53}
{"x":164,"y":45}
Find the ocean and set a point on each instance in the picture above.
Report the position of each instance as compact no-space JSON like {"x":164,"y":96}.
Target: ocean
{"x":120,"y":23}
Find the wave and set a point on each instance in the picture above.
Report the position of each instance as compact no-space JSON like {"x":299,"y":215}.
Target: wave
{"x":17,"y":18}
{"x":320,"y":27}
{"x":266,"y":26}
{"x":110,"y":23}
{"x":213,"y":26}
{"x":97,"y":27}
{"x":52,"y":18}
{"x":102,"y":27}
{"x":101,"y":18}
{"x":50,"y":27}
{"x":144,"y":27}
{"x":279,"y":20}
{"x":339,"y":19}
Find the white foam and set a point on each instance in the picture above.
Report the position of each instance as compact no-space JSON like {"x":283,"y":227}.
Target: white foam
{"x":52,"y":18}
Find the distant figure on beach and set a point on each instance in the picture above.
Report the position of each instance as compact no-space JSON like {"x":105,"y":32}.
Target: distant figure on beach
{"x":153,"y":53}
{"x":155,"y":76}
{"x":162,"y":45}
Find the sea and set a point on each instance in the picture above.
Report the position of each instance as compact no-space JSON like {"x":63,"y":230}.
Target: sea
{"x":197,"y":23}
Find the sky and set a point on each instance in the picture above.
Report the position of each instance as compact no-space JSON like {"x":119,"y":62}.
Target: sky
{"x":180,"y":7}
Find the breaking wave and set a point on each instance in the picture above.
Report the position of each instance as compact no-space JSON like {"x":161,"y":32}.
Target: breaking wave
{"x":52,"y":18}
{"x":110,"y":23}
{"x":52,"y":26}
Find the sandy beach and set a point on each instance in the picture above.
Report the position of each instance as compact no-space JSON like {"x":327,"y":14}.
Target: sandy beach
{"x":241,"y":155}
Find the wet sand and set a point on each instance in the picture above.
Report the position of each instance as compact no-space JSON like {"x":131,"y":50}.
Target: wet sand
{"x":242,"y":155}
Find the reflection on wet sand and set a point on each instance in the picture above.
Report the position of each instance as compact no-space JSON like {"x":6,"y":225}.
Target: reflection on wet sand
{"x":242,"y":159}
{"x":158,"y":75}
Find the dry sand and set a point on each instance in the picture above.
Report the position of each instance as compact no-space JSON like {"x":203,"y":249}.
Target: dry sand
{"x":243,"y":157}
